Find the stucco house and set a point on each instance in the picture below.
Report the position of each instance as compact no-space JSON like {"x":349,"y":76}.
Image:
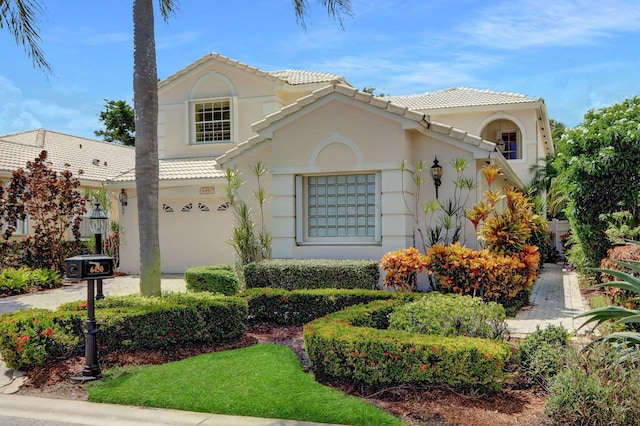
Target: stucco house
{"x":92,"y":162}
{"x":333,"y":155}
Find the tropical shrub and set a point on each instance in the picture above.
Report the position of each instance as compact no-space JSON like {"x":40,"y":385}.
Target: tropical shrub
{"x":595,"y":388}
{"x":505,"y":279}
{"x":625,"y":253}
{"x":629,"y":341}
{"x":53,"y":204}
{"x":599,"y":164}
{"x":20,"y":280}
{"x":355,"y":346}
{"x":214,"y":279}
{"x":504,"y":228}
{"x":14,"y":281}
{"x":541,"y":354}
{"x":451,"y":315}
{"x":436,"y":221}
{"x":294,"y":274}
{"x":401,"y":268}
{"x":250,"y":245}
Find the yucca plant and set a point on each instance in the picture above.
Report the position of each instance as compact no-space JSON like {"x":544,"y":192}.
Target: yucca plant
{"x":629,"y":341}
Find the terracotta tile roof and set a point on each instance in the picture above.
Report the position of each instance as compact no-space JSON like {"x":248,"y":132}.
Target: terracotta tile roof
{"x":459,"y":97}
{"x":98,"y":160}
{"x":292,"y":77}
{"x":382,"y":103}
{"x":181,"y":168}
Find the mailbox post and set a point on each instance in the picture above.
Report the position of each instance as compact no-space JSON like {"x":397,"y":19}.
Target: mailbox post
{"x":90,"y":268}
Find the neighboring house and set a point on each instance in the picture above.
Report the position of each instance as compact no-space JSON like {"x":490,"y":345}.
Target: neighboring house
{"x":92,"y":162}
{"x":333,"y":155}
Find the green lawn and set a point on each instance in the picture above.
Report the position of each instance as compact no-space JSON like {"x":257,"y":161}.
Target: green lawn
{"x":264,"y":380}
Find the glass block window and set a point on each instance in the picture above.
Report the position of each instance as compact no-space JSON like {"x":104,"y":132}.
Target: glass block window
{"x":341,"y":206}
{"x":212,"y":120}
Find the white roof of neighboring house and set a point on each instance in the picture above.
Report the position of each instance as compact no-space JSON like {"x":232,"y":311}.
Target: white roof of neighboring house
{"x":382,"y":103}
{"x":180,"y":168}
{"x":97,"y":160}
{"x":457,"y":97}
{"x":292,"y":77}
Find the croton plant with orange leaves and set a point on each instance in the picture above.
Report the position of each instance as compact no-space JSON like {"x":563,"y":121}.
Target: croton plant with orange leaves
{"x":401,"y":268}
{"x":503,"y":278}
{"x":504,"y":271}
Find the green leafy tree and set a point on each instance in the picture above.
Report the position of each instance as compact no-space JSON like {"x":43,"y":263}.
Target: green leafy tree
{"x":53,"y":204}
{"x":119,"y":122}
{"x":145,"y":86}
{"x":20,"y":18}
{"x":599,"y":173}
{"x":372,"y":91}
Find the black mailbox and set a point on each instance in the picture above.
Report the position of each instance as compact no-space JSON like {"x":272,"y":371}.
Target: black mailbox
{"x":89,"y":267}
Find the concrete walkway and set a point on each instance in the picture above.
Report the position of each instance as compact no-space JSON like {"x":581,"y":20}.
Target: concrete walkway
{"x":555,"y":300}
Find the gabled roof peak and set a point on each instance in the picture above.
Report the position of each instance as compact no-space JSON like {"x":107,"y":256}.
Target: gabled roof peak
{"x":383,"y":103}
{"x":289,"y":76}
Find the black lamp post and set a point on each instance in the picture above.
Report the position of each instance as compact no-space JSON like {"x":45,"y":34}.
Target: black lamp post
{"x":436,"y":174}
{"x":98,"y":222}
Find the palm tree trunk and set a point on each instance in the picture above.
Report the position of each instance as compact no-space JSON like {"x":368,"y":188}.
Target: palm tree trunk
{"x":145,"y":87}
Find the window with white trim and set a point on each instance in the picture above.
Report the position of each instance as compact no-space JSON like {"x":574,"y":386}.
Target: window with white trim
{"x":211,"y":121}
{"x":508,"y":142}
{"x":21,"y":227}
{"x":338,"y":208}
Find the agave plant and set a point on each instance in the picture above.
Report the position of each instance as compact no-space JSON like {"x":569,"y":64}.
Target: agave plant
{"x":628,"y":340}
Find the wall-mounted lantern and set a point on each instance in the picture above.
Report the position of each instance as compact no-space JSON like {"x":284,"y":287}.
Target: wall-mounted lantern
{"x":122,"y":197}
{"x":436,"y":174}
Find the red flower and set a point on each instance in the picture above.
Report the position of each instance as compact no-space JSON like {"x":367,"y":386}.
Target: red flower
{"x":423,"y":367}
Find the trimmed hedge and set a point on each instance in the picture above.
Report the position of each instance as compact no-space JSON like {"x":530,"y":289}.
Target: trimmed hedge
{"x":354,"y":346}
{"x":214,"y":279}
{"x":299,"y":307}
{"x":295,"y":274}
{"x":32,"y":337}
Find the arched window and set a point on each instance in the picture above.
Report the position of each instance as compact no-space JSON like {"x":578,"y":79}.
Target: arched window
{"x":507,"y":136}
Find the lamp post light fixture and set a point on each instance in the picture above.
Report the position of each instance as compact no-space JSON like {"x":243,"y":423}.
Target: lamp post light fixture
{"x":98,"y":222}
{"x":436,"y":174}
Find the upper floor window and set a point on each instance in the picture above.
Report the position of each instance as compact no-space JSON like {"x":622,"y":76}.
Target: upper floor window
{"x":211,"y":121}
{"x":508,"y":144}
{"x":507,"y":136}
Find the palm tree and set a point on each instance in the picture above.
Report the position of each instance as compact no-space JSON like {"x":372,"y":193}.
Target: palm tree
{"x":145,"y":86}
{"x":20,"y":17}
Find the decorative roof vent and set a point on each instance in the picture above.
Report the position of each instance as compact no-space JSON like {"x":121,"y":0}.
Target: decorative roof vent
{"x":96,"y":162}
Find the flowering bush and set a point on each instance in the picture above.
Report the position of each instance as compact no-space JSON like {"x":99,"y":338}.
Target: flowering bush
{"x":502,"y":278}
{"x":401,"y":268}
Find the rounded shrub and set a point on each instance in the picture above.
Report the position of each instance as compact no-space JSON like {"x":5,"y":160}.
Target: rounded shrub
{"x":451,"y":315}
{"x":214,"y":279}
{"x":541,"y":354}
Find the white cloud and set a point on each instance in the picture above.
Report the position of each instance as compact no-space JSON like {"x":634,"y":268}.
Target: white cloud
{"x":18,"y":114}
{"x":524,"y":23}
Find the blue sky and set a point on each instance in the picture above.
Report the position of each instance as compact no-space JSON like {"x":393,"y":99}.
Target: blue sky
{"x":577,"y":55}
